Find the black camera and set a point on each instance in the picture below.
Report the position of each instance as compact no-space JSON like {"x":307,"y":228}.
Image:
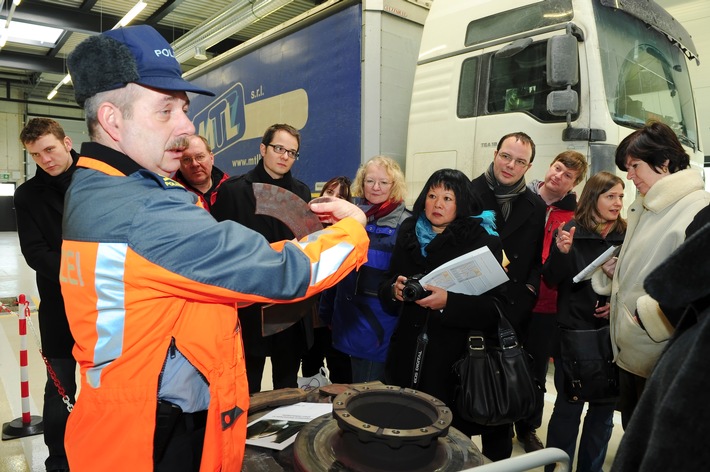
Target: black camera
{"x":413,"y":290}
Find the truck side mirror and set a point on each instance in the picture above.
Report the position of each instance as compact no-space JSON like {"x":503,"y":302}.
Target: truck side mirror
{"x":563,"y":102}
{"x":562,"y":61}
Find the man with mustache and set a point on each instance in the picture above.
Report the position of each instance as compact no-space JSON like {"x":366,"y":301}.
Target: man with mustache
{"x":151,"y":280}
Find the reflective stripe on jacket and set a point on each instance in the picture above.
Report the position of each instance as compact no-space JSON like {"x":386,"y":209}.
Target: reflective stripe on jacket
{"x":141,"y":265}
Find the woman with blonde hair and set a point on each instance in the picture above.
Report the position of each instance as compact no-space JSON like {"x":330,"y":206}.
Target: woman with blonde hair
{"x":361,"y":327}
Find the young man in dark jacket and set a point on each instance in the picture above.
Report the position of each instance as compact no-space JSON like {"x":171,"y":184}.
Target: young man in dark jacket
{"x":235,"y":201}
{"x":39,"y":204}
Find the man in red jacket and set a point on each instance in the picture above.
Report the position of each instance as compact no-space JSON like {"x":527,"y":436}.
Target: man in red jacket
{"x":567,"y":170}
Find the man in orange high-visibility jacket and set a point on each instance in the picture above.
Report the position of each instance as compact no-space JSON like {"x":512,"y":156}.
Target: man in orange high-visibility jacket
{"x":151,"y":280}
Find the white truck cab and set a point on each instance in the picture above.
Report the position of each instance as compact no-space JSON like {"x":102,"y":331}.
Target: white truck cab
{"x":572,"y":74}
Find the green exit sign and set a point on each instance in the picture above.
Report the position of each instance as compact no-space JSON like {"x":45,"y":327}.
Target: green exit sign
{"x":5,"y":176}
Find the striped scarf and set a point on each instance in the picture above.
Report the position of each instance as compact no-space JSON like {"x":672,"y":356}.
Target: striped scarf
{"x":505,"y":194}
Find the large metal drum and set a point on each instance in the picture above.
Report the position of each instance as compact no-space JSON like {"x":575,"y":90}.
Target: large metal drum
{"x":377,"y":427}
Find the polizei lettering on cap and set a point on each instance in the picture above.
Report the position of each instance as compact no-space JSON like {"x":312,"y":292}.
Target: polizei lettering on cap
{"x":164,"y":52}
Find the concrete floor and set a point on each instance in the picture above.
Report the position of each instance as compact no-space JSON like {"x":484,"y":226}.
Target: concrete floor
{"x":28,"y":454}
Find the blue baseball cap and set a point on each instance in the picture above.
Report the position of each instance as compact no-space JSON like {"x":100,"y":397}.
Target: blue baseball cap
{"x":137,"y":54}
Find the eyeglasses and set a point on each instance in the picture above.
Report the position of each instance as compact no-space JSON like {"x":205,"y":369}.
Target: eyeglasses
{"x":517,"y":162}
{"x":382,"y":183}
{"x":278,"y":149}
{"x":200,"y":158}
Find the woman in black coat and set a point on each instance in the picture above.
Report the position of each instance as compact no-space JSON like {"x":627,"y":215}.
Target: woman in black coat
{"x":596,"y":226}
{"x":441,"y":229}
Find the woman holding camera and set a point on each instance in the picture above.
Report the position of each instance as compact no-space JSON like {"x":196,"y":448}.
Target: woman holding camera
{"x":441,"y":229}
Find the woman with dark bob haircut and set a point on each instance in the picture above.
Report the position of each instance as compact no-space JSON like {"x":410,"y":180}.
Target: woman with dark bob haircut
{"x":670,"y":193}
{"x":655,"y":144}
{"x":442,"y":228}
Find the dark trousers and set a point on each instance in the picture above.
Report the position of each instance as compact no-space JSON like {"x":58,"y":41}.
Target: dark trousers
{"x":541,"y":344}
{"x":630,"y":389}
{"x":339,"y":369}
{"x":365,"y":370}
{"x":284,"y":369}
{"x":55,"y":413}
{"x":496,"y":441}
{"x":497,"y":444}
{"x":563,"y":429}
{"x":180,"y":441}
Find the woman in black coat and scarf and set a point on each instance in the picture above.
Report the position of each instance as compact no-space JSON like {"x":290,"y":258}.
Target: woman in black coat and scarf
{"x":442,"y":228}
{"x":597,"y":225}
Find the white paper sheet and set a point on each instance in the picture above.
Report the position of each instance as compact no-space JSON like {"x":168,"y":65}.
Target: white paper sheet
{"x":278,"y":428}
{"x":473,"y":273}
{"x":587,"y":272}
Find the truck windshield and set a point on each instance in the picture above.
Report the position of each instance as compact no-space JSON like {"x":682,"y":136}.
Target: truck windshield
{"x":645,"y":76}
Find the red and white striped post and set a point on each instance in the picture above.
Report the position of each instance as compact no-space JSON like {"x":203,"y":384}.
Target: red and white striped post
{"x":27,"y":424}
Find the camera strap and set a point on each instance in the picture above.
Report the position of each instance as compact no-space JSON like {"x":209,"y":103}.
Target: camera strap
{"x":422,"y":341}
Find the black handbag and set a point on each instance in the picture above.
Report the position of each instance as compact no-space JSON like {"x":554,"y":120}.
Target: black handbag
{"x":496,"y":384}
{"x":590,"y":374}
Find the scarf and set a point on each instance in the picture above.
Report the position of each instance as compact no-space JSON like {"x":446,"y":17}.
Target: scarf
{"x":488,"y":221}
{"x":285,"y":182}
{"x":425,"y":232}
{"x":602,"y":229}
{"x":505,"y":194}
{"x":379,"y":210}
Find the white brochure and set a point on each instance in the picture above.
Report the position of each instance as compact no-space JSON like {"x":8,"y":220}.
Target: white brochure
{"x":473,"y":273}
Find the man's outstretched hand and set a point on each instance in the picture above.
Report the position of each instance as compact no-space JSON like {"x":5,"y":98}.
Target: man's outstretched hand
{"x":331,"y":210}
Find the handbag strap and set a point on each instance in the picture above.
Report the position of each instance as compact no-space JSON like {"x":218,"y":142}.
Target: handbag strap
{"x":506,"y":334}
{"x":507,"y":339}
{"x":422,"y":341}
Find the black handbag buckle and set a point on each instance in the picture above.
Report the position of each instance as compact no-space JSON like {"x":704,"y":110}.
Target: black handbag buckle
{"x":476,"y":343}
{"x":508,"y":339}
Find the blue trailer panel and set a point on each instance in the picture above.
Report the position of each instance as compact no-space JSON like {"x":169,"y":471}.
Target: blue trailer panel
{"x":310,"y":79}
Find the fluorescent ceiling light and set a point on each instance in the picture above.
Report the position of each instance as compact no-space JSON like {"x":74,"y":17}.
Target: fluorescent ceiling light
{"x":27,"y":33}
{"x":132,"y":13}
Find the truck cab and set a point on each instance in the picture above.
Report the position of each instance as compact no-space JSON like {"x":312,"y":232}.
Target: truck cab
{"x":572,"y":74}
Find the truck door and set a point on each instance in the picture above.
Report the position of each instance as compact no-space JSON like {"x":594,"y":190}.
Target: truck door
{"x":512,"y":96}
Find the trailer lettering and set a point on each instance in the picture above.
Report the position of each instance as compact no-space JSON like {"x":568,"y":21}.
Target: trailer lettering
{"x":222,"y":122}
{"x":258,"y":92}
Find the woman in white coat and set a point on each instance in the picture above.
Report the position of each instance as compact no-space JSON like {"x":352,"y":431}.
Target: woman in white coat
{"x":670,"y":193}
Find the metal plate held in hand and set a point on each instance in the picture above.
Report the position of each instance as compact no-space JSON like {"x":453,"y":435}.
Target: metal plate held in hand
{"x":291,"y":210}
{"x":287,"y":207}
